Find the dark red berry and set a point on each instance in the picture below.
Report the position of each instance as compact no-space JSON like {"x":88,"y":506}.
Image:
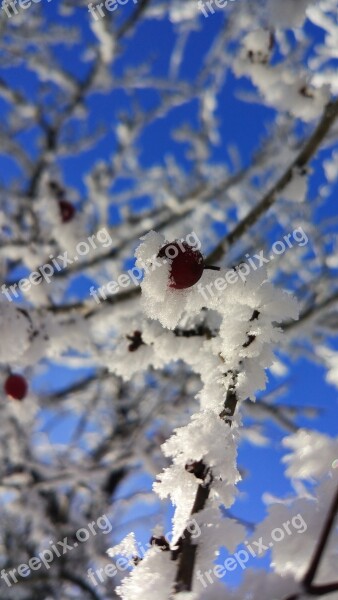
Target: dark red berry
{"x":186,"y":264}
{"x":67,"y":211}
{"x":16,"y":387}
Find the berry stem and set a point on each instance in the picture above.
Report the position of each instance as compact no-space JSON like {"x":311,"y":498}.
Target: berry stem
{"x":210,"y":268}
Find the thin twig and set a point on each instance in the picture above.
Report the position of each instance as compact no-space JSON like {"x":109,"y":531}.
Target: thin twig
{"x":307,"y":582}
{"x":322,"y":543}
{"x":329,"y":116}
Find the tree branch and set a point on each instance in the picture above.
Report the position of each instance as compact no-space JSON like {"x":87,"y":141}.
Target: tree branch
{"x":186,"y":551}
{"x":322,"y":543}
{"x":329,"y":116}
{"x":306,"y":583}
{"x":321,"y":590}
{"x":312,"y":311}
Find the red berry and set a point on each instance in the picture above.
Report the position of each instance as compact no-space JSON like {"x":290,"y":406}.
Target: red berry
{"x":16,"y":387}
{"x":186,"y":264}
{"x":67,"y":211}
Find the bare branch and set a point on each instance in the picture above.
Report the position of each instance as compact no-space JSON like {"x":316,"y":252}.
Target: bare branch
{"x":305,"y":155}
